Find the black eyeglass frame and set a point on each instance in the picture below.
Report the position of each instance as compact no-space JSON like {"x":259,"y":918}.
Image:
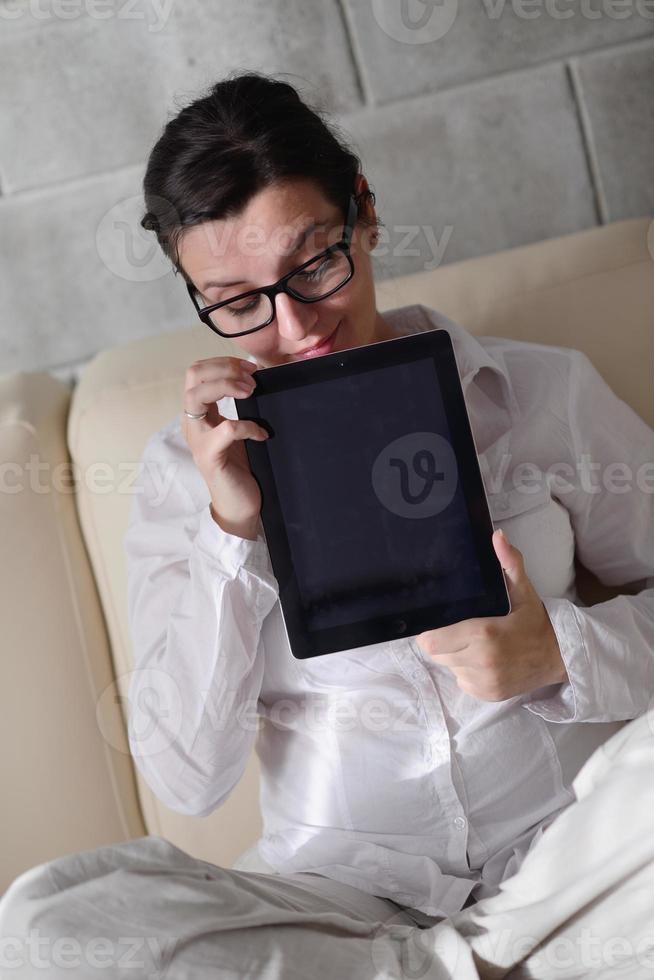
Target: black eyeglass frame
{"x":204,"y":312}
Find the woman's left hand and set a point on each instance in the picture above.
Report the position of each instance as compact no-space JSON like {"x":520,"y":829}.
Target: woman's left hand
{"x":499,"y":657}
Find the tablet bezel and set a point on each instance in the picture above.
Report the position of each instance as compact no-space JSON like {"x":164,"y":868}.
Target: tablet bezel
{"x":437,"y":345}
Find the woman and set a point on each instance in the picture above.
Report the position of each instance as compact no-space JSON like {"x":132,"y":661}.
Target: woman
{"x":408,"y":816}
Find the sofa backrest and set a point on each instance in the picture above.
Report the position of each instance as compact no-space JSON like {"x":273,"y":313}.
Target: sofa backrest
{"x":593,"y":291}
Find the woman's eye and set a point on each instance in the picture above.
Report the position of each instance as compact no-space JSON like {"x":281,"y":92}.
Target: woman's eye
{"x":316,"y":273}
{"x":242,"y":310}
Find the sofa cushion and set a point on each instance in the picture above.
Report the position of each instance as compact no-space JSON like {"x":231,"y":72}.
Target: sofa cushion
{"x":67,"y":777}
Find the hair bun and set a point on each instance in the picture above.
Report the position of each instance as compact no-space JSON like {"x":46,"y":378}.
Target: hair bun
{"x":150,"y":222}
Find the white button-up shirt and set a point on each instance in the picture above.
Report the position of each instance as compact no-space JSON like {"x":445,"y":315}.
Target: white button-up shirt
{"x":376,"y":770}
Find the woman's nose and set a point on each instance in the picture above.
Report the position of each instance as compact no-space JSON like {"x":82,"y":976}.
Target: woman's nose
{"x":295,"y":320}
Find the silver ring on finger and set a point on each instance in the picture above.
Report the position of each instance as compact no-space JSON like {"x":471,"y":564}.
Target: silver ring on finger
{"x":190,"y":415}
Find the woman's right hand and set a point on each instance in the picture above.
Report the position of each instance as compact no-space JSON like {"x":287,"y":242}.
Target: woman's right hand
{"x":217,"y":443}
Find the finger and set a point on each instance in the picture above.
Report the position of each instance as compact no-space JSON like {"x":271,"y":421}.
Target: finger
{"x":454,"y":660}
{"x":447,"y":639}
{"x":210,"y":372}
{"x":210,"y":368}
{"x":519,"y":585}
{"x":195,"y":429}
{"x":200,"y":396}
{"x":227,"y":433}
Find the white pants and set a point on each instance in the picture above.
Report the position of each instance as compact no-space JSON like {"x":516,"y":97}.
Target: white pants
{"x":581,"y":905}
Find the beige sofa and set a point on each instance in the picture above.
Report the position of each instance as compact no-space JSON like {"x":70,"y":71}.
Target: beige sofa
{"x":67,"y":778}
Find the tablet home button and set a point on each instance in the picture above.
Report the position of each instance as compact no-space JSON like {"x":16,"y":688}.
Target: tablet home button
{"x":399,"y":626}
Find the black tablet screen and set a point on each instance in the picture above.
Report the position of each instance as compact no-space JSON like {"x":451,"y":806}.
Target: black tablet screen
{"x":367,"y":481}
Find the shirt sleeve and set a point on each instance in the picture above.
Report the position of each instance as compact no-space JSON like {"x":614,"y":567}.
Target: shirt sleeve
{"x":197,"y":597}
{"x":608,"y":489}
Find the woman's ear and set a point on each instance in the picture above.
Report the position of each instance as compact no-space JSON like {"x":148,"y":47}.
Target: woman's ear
{"x":366,"y":201}
{"x":365,"y":198}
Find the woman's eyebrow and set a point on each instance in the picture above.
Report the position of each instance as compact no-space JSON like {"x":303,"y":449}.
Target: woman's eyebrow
{"x":296,"y":244}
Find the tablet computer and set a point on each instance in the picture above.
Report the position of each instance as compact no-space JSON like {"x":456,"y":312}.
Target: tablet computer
{"x":374,"y":509}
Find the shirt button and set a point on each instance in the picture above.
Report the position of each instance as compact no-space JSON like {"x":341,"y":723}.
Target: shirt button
{"x":459,"y":822}
{"x":416,"y":673}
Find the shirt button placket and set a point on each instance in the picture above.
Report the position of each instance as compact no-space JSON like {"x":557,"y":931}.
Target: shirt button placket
{"x":445,"y":794}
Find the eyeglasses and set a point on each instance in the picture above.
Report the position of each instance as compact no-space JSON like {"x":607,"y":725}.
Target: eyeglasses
{"x":312,"y":281}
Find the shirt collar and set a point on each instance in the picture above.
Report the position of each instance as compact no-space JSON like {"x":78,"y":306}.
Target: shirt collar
{"x":485,"y":379}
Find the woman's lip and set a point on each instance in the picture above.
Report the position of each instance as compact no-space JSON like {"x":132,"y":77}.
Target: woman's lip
{"x":325,"y":348}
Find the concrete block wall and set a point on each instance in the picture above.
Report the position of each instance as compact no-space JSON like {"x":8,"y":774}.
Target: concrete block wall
{"x":482,"y":124}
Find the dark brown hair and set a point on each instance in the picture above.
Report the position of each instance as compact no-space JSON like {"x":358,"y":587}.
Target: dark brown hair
{"x":250,"y":131}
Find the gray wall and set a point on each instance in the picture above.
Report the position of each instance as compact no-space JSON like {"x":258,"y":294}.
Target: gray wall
{"x":482,"y":124}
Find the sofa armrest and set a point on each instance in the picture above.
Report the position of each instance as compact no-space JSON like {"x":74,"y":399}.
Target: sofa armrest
{"x":67,"y":775}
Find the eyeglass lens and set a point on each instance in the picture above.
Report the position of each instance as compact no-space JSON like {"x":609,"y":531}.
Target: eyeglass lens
{"x":323,"y":276}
